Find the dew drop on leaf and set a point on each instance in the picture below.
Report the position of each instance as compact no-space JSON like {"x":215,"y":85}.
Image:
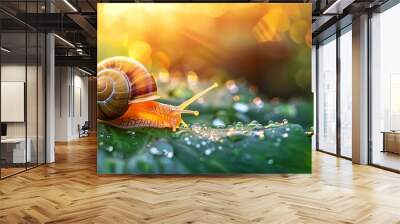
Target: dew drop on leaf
{"x":155,"y":151}
{"x":109,"y":148}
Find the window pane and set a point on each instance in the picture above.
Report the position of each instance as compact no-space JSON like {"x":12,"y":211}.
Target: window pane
{"x":327,"y":96}
{"x":346,"y":94}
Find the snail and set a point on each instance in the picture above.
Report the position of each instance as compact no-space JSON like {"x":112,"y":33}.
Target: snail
{"x":126,"y":94}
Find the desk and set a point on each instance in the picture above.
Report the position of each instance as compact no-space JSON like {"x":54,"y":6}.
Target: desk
{"x":391,"y":141}
{"x":16,"y":147}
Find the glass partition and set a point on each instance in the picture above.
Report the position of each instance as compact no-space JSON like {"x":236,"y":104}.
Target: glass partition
{"x":41,"y":91}
{"x":14,"y":146}
{"x":22,"y":88}
{"x":31,"y":97}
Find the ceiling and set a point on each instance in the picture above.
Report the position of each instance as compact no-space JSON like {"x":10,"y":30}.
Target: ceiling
{"x":75,"y":21}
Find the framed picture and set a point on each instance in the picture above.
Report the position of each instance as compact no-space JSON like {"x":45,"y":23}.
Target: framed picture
{"x":192,"y":88}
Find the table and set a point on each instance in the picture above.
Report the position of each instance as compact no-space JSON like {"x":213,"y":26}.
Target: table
{"x":15,"y":148}
{"x":391,"y":141}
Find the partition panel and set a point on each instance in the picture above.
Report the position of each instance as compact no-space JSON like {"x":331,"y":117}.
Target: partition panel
{"x":22,"y":77}
{"x":15,"y":151}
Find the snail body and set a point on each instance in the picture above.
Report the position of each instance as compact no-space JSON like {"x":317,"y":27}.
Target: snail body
{"x":125,"y":97}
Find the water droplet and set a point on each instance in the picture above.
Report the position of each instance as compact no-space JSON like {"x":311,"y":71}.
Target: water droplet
{"x":285,"y":135}
{"x":198,"y":146}
{"x":208,"y":152}
{"x":278,"y":140}
{"x":219,"y":147}
{"x":287,"y":129}
{"x":218,"y":123}
{"x":239,"y":125}
{"x":241,"y":107}
{"x":186,"y":139}
{"x":155,"y":151}
{"x":270,"y":161}
{"x":131,"y":132}
{"x":169,"y":154}
{"x":110,"y":148}
{"x":204,"y":143}
{"x":255,"y":125}
{"x":189,"y":142}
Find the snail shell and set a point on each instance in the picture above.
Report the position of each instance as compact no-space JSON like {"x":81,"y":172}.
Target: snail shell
{"x":121,"y":81}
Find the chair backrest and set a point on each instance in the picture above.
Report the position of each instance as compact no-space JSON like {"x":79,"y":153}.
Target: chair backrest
{"x":86,"y":125}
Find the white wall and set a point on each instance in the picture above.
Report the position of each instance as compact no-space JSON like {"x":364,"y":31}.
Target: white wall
{"x":12,"y":73}
{"x":62,"y":81}
{"x":71,"y":102}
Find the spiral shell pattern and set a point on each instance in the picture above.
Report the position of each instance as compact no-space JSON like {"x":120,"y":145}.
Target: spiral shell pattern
{"x":120,"y":81}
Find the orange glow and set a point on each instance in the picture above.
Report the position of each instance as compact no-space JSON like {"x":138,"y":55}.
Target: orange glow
{"x":140,"y":51}
{"x":163,"y":76}
{"x":192,"y":78}
{"x":208,"y":39}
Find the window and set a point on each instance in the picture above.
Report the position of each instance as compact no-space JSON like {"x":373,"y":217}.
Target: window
{"x":346,"y":92}
{"x":327,"y":96}
{"x":385,"y":89}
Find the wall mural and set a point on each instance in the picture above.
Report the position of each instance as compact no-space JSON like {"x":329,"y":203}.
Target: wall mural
{"x":191,"y":88}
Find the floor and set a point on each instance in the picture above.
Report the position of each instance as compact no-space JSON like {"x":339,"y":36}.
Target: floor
{"x":70,"y":191}
{"x":5,"y":172}
{"x":10,"y":171}
{"x":387,"y":159}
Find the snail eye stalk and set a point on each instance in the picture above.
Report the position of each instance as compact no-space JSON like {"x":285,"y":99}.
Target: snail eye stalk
{"x":196,"y":97}
{"x":195,"y":113}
